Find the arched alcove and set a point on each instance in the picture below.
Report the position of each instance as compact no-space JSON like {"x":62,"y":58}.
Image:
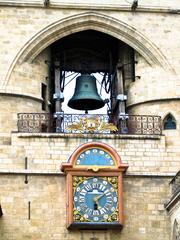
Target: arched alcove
{"x":169,"y":122}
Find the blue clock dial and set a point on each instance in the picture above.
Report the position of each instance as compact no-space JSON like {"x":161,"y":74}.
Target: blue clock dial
{"x":95,"y":156}
{"x":95,"y":199}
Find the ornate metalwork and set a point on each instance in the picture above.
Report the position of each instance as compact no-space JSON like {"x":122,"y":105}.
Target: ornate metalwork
{"x":113,"y":181}
{"x":140,"y":125}
{"x":34,"y":122}
{"x":92,"y":125}
{"x":86,"y":123}
{"x":77,"y":180}
{"x":78,"y":217}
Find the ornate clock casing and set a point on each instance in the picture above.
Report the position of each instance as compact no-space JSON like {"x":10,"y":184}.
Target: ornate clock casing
{"x":94,"y":187}
{"x":95,"y":199}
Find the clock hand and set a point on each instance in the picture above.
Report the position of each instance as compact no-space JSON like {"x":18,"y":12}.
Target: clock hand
{"x":95,"y":199}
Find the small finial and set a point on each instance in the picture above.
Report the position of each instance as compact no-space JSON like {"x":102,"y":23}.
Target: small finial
{"x":134,"y":5}
{"x":46,"y":3}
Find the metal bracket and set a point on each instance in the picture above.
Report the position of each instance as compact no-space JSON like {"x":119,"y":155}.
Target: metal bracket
{"x":121,"y":97}
{"x":58,"y":114}
{"x":123,"y":116}
{"x":59,"y":96}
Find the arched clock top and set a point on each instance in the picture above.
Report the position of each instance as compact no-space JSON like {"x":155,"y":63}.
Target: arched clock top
{"x":95,"y":156}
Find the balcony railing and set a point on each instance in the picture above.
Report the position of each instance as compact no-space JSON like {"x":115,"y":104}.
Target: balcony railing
{"x":88,"y":123}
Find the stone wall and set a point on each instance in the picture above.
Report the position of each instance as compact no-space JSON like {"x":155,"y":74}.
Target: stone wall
{"x":144,"y":200}
{"x":10,"y":106}
{"x":146,"y":188}
{"x":48,"y":151}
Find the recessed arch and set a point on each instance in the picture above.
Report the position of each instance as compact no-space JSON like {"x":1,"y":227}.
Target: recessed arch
{"x":169,"y":122}
{"x":90,"y":21}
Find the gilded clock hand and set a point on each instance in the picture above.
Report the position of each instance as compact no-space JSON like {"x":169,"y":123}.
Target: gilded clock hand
{"x":95,"y":199}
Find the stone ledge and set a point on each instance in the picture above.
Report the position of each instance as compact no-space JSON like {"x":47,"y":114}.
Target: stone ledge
{"x":45,"y":172}
{"x":21,"y":95}
{"x":92,"y":6}
{"x":29,"y":172}
{"x":130,"y":105}
{"x":89,"y":136}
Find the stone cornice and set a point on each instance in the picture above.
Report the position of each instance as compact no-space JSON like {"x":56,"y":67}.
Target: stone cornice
{"x":90,"y":136}
{"x":90,"y":6}
{"x":20,"y":95}
{"x":131,"y":105}
{"x":59,"y":173}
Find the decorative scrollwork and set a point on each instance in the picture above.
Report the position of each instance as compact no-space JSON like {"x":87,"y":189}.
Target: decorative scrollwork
{"x":113,"y":181}
{"x":83,"y":123}
{"x":113,"y":217}
{"x":92,"y":125}
{"x":78,"y":217}
{"x":77,"y":180}
{"x":34,"y":122}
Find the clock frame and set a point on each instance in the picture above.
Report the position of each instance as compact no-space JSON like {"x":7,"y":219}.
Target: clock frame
{"x":90,"y":162}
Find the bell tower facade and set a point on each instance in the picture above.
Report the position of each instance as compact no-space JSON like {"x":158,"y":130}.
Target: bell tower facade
{"x":89,"y":133}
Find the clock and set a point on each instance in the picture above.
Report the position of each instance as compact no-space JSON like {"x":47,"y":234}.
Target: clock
{"x":95,"y":199}
{"x":94,"y":174}
{"x":95,"y":157}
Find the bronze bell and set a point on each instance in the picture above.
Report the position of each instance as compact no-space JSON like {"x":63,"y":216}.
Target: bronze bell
{"x":86,"y":96}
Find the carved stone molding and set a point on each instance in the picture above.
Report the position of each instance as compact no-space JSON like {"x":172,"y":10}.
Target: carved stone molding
{"x":91,"y":21}
{"x":176,"y":230}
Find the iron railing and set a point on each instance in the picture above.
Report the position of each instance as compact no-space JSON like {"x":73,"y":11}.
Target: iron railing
{"x":83,"y":123}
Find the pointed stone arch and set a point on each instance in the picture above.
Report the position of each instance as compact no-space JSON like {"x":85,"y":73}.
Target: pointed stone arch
{"x":90,"y":21}
{"x":169,"y":122}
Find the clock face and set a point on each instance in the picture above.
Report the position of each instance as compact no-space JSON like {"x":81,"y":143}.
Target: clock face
{"x":95,"y":199}
{"x":95,"y":156}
